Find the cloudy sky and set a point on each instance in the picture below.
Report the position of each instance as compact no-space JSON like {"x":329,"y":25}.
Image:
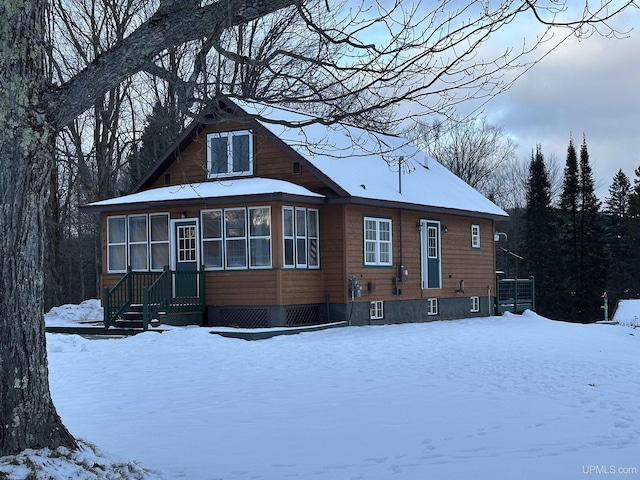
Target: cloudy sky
{"x":588,"y":87}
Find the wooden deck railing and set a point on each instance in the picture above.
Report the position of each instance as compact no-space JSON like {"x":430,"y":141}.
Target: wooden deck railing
{"x":155,"y":292}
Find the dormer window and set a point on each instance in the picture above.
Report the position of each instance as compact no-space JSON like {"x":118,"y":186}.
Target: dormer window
{"x":230,"y":154}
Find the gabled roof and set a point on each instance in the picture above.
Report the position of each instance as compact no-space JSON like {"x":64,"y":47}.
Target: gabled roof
{"x":365,"y":164}
{"x":360,"y":166}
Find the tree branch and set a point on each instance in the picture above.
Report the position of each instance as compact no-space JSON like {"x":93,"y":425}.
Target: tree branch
{"x":164,"y":29}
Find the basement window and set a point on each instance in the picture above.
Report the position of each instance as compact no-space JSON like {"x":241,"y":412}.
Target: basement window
{"x":376,"y":310}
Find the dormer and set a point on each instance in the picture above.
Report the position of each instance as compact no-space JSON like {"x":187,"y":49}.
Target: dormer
{"x":230,"y":154}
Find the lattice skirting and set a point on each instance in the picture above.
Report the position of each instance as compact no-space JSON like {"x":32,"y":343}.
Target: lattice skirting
{"x":265,"y":316}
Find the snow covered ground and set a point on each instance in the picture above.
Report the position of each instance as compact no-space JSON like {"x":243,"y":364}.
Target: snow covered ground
{"x":494,"y":398}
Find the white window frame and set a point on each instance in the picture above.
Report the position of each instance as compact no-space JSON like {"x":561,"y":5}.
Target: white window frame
{"x":224,"y":240}
{"x":258,"y":238}
{"x":235,"y":239}
{"x":376,"y":310}
{"x":377,"y":243}
{"x":302,"y":224}
{"x":206,"y":240}
{"x":475,"y":304}
{"x":137,"y":243}
{"x":230,"y":172}
{"x":432,"y":306}
{"x":475,"y":236}
{"x":117,"y":244}
{"x":153,"y":242}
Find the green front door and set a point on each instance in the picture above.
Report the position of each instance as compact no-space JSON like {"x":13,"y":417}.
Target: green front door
{"x":185,"y":282}
{"x":431,"y":271}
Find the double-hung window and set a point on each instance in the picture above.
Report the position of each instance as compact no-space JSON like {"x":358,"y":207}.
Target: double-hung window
{"x":117,"y":244}
{"x":159,"y":240}
{"x":259,"y":237}
{"x":300,"y":233}
{"x":475,"y":235}
{"x":377,"y":241}
{"x":212,"y":238}
{"x":138,"y":242}
{"x":235,"y":234}
{"x":230,"y":154}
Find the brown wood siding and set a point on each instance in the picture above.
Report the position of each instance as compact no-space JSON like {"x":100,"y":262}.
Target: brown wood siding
{"x":241,"y":287}
{"x":271,"y":160}
{"x":333,"y":243}
{"x":458,"y":260}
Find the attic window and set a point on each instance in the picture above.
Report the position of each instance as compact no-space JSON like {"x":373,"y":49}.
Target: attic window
{"x":230,"y":154}
{"x":167,"y":178}
{"x":297,"y":168}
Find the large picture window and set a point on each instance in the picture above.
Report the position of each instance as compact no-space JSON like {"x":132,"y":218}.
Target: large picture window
{"x":230,"y":154}
{"x":377,"y":241}
{"x":140,"y":241}
{"x":300,"y":233}
{"x":236,"y":238}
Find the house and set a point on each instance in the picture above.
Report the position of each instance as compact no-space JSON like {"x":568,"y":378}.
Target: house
{"x":249,"y":223}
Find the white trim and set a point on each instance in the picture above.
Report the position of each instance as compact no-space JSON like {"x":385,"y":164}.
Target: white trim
{"x":230,"y":172}
{"x":126,"y":248}
{"x":475,"y":236}
{"x":475,"y":304}
{"x":425,"y":226}
{"x":173,"y":240}
{"x":377,"y":242}
{"x":259,"y":237}
{"x":376,"y":310}
{"x":432,"y":306}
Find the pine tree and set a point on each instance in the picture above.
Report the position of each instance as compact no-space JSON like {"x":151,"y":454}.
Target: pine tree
{"x":541,"y":242}
{"x":617,"y":235}
{"x":569,"y":207}
{"x":591,"y":253}
{"x":163,"y":127}
{"x":634,"y":237}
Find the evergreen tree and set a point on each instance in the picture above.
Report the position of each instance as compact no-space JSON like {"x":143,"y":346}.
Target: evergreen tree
{"x":163,"y":127}
{"x":634,"y":237}
{"x":569,"y":207}
{"x":617,"y":235}
{"x":541,"y":242}
{"x":591,"y":268}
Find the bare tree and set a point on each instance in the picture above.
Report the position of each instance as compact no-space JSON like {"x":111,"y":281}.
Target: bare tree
{"x":427,"y":58}
{"x":473,"y":149}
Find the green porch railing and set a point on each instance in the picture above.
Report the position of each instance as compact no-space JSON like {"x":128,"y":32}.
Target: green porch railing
{"x":157,"y":292}
{"x":515,"y":295}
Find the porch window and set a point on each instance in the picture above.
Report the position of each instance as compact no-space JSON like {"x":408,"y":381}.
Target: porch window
{"x":475,"y":235}
{"x":117,"y":244}
{"x":236,"y":238}
{"x":212,"y":248}
{"x":235,"y":232}
{"x":230,"y":154}
{"x":159,"y":240}
{"x":300,"y":233}
{"x":140,"y":241}
{"x":260,"y":237}
{"x":377,"y":241}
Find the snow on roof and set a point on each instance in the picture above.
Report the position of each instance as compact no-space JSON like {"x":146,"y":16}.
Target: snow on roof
{"x":365,"y":164}
{"x":222,"y":188}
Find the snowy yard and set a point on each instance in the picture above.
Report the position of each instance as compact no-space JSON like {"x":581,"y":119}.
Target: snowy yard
{"x":495,"y":398}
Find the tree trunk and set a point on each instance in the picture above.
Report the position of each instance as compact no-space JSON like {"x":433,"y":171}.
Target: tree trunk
{"x":28,"y":418}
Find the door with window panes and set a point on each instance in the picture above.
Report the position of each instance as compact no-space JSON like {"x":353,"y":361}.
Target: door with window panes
{"x":186,"y":258}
